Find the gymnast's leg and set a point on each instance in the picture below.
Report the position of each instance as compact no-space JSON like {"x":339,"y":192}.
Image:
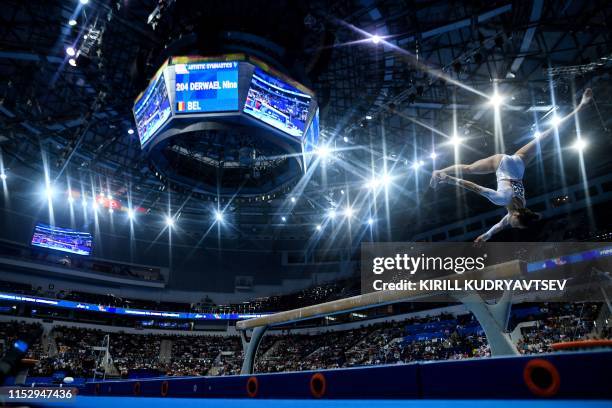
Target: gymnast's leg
{"x":530,"y":150}
{"x":483,"y":166}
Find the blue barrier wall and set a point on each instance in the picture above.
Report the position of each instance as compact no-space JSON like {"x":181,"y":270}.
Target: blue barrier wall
{"x":564,"y":375}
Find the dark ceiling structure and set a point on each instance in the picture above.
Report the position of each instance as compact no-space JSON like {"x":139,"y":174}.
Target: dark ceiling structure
{"x":387,"y":102}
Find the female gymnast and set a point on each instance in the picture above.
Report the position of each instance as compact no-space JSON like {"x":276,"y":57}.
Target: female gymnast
{"x":509,"y":170}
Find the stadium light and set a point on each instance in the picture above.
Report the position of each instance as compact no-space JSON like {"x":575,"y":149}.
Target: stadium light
{"x":368,"y":117}
{"x":496,"y":100}
{"x":70,"y":51}
{"x":331,"y":213}
{"x":218,"y":216}
{"x":348,"y":212}
{"x":3,"y":176}
{"x":536,"y":135}
{"x":283,"y":218}
{"x":83,"y":2}
{"x":417,"y":164}
{"x":72,"y":22}
{"x":95,"y":205}
{"x":323,"y":151}
{"x":131,"y":215}
{"x":382,"y":181}
{"x":555,"y":120}
{"x":293,"y":199}
{"x":580,"y":144}
{"x":346,"y":139}
{"x":110,"y":210}
{"x":70,"y":198}
{"x":373,"y":183}
{"x":456,"y":140}
{"x":375,"y":38}
{"x":319,"y":227}
{"x":370,"y":221}
{"x":72,"y":62}
{"x":169,"y":221}
{"x":386,"y":179}
{"x":49,"y":192}
{"x":130,"y":131}
{"x":433,"y":155}
{"x":84,"y":203}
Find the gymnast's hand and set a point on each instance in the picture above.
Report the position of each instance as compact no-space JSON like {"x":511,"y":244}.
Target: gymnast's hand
{"x":480,"y":240}
{"x":586,"y":97}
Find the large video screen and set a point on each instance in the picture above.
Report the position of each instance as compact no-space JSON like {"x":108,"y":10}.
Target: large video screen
{"x":277,"y":103}
{"x":206,"y":87}
{"x":62,"y":239}
{"x":152,"y":110}
{"x":311,"y":140}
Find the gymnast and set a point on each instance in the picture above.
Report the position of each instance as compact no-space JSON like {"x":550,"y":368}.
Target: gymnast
{"x":509,"y":170}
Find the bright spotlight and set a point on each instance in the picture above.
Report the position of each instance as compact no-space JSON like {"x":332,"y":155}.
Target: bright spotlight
{"x":368,"y":117}
{"x":417,"y":164}
{"x":319,"y":227}
{"x":433,"y":155}
{"x":95,"y":205}
{"x":72,"y":62}
{"x":130,"y":131}
{"x":456,"y":140}
{"x":370,"y":221}
{"x":375,"y":39}
{"x":83,"y":1}
{"x":49,"y":192}
{"x":496,"y":100}
{"x":331,"y":213}
{"x":218,"y":216}
{"x":373,"y":183}
{"x":131,"y":215}
{"x":293,"y":199}
{"x":84,"y":203}
{"x":3,"y":176}
{"x":283,"y":218}
{"x":72,"y":22}
{"x":536,"y":135}
{"x":555,"y":120}
{"x":169,"y":221}
{"x":70,"y":198}
{"x":346,"y":139}
{"x":70,"y":51}
{"x":580,"y":144}
{"x":323,"y":151}
{"x":386,"y":179}
{"x":110,"y":210}
{"x":348,"y":212}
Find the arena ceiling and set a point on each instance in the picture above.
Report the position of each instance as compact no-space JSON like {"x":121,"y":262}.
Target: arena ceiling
{"x":395,"y":80}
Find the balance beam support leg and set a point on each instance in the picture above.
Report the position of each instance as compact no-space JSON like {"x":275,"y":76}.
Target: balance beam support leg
{"x":493,"y":319}
{"x":250,"y":348}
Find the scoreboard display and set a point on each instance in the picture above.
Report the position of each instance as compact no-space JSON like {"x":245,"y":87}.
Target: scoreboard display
{"x":189,"y":92}
{"x":277,"y":103}
{"x":62,"y":239}
{"x":206,"y":87}
{"x":152,"y":109}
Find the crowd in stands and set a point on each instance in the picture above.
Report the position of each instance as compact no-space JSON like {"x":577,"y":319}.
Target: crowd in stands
{"x":560,"y":322}
{"x":310,"y":296}
{"x":381,"y":343}
{"x":441,"y":337}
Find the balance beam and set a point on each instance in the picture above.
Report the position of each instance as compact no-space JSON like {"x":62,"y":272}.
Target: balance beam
{"x":504,"y":270}
{"x":493,"y":318}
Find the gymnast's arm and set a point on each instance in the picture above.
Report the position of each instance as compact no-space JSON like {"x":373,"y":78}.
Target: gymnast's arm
{"x":503,"y":223}
{"x":468,"y":185}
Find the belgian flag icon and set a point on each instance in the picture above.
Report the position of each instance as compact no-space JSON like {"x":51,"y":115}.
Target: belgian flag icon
{"x":180,"y":106}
